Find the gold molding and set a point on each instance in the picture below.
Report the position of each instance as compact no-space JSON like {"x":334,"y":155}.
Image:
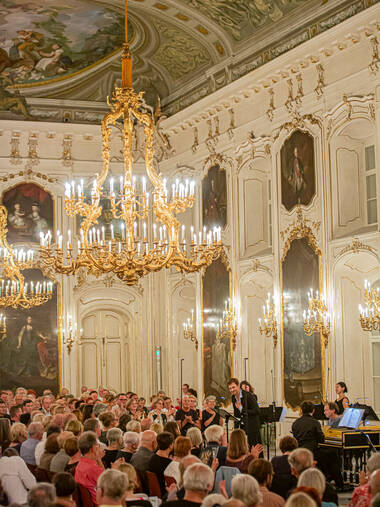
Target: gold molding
{"x":356,"y":246}
{"x":300,"y":229}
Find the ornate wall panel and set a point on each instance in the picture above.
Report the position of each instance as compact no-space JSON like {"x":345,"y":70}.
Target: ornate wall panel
{"x":348,"y":179}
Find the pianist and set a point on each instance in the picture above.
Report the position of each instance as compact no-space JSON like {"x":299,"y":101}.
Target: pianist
{"x":331,"y":412}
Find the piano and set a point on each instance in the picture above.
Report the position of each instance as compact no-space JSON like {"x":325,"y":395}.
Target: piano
{"x":353,"y":448}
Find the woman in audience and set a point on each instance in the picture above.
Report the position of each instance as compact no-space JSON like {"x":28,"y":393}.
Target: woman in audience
{"x":115,"y":443}
{"x":157,"y":428}
{"x":311,"y":492}
{"x":51,"y":449}
{"x":157,"y":414}
{"x":108,"y":420}
{"x":172,"y":427}
{"x":5,"y":434}
{"x":182,"y":448}
{"x":213,"y":500}
{"x":75,"y":426}
{"x":123,"y":421}
{"x":72,"y":450}
{"x":132,"y":499}
{"x":16,"y":479}
{"x":300,"y":500}
{"x":132,"y":409}
{"x":87,"y":412}
{"x":134,"y":426}
{"x":314,"y":478}
{"x":60,"y":460}
{"x":18,"y":435}
{"x":238,"y":454}
{"x":283,"y":479}
{"x":246,"y":489}
{"x":195,"y":436}
{"x":131,"y":443}
{"x":65,"y":487}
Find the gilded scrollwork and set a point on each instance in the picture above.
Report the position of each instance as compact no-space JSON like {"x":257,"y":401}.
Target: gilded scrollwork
{"x":67,"y":143}
{"x":301,"y":228}
{"x":271,"y":108}
{"x":356,"y":246}
{"x":375,"y":62}
{"x":320,"y":88}
{"x":15,"y":157}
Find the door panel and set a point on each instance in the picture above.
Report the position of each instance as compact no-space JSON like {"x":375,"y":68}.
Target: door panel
{"x":90,"y":370}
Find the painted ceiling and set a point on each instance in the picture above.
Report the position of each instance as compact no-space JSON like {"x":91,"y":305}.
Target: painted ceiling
{"x":70,"y":49}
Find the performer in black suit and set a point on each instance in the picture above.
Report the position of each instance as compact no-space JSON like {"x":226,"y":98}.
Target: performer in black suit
{"x":247,"y":410}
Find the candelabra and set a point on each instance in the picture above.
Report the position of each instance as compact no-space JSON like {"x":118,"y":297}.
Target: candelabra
{"x":14,"y":292}
{"x":70,"y":333}
{"x":316,"y":318}
{"x":268,"y":326}
{"x":151,"y":236}
{"x":370,"y":313}
{"x":3,"y":327}
{"x":189,"y":331}
{"x":227,"y":327}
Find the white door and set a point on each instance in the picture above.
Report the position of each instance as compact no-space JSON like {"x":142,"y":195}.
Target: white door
{"x":104,"y":350}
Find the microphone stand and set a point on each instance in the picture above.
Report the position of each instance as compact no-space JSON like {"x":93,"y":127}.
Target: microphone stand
{"x":181,"y":377}
{"x":274,"y":415}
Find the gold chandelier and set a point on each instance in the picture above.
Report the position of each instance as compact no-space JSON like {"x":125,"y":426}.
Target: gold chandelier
{"x":151,"y":237}
{"x":14,"y":291}
{"x":227,"y":327}
{"x":316,"y":318}
{"x":269,"y":326}
{"x":189,"y":330}
{"x":370,"y":313}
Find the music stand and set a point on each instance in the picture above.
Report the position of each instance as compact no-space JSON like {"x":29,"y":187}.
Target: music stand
{"x":369,"y":413}
{"x":269,"y":415}
{"x":227,"y":416}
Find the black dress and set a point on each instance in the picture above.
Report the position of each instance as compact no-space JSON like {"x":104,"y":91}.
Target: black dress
{"x":340,"y":404}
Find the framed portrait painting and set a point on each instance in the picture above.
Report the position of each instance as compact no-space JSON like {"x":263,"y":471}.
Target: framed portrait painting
{"x":30,"y":212}
{"x":29,"y":352}
{"x":214,"y":198}
{"x":297,"y":170}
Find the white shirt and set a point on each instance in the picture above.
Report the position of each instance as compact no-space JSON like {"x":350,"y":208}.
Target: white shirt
{"x":40,"y":449}
{"x":16,"y":479}
{"x":172,"y":470}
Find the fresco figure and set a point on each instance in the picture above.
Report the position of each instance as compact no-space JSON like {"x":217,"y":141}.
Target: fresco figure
{"x":28,"y":358}
{"x":214,"y":198}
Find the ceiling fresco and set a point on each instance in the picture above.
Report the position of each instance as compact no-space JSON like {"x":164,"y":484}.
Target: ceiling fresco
{"x":182,"y":49}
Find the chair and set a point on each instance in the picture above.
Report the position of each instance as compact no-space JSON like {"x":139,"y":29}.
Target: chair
{"x":85,"y":497}
{"x":153,"y":484}
{"x":32,"y":468}
{"x":169,"y":480}
{"x":42,"y":475}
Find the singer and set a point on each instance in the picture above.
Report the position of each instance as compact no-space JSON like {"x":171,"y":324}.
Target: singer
{"x":246,"y":410}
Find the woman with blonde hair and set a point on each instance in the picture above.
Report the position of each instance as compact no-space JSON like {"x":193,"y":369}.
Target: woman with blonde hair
{"x":300,"y":500}
{"x":195,"y":436}
{"x":157,"y":428}
{"x":130,"y":497}
{"x":238,"y":454}
{"x":314,"y":478}
{"x":75,"y":426}
{"x":19,"y":434}
{"x":182,"y":448}
{"x":37,"y":417}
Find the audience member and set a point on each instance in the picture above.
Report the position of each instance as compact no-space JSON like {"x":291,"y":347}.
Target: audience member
{"x":90,"y":465}
{"x":300,"y":500}
{"x":28,"y":448}
{"x":19,"y":434}
{"x":115,"y":443}
{"x":245,"y":489}
{"x":111,"y":488}
{"x":214,"y":500}
{"x":238,"y":454}
{"x":65,"y":487}
{"x":148,"y":445}
{"x":16,"y":479}
{"x":132,"y":499}
{"x":72,"y":450}
{"x":41,"y":495}
{"x":262,"y":471}
{"x":196,"y":439}
{"x":61,"y":458}
{"x":215,"y":442}
{"x":283,"y":479}
{"x":160,"y":460}
{"x":198,"y":481}
{"x":182,"y":448}
{"x":314,"y":478}
{"x":51,"y":449}
{"x":5,"y":433}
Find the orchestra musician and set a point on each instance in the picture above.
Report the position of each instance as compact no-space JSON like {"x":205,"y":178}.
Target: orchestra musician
{"x":246,"y":410}
{"x":307,"y":430}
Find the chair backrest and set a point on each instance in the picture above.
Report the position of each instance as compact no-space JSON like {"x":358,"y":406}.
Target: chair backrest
{"x":42,"y":475}
{"x":85,"y":497}
{"x":153,"y":484}
{"x":32,"y":468}
{"x":169,"y":480}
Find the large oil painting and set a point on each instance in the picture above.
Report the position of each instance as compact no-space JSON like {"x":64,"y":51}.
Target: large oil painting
{"x":40,"y":41}
{"x":214,"y":198}
{"x":216,"y":353}
{"x":30,"y":212}
{"x":303,"y":378}
{"x":29,"y":346}
{"x":297,"y":170}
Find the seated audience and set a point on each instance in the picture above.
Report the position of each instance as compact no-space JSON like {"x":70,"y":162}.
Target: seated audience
{"x":300,"y":499}
{"x":182,"y":448}
{"x":314,"y":478}
{"x":198,"y":481}
{"x":301,"y":459}
{"x":172,"y":427}
{"x":28,"y":448}
{"x":132,"y":499}
{"x":215,"y":440}
{"x":131,"y":443}
{"x":262,"y":471}
{"x":134,"y":426}
{"x":65,"y":487}
{"x":60,"y":460}
{"x":108,"y":420}
{"x":75,"y":426}
{"x":111,"y":488}
{"x":209,"y":415}
{"x":19,"y":434}
{"x":283,"y":479}
{"x":41,"y":495}
{"x":215,"y":499}
{"x":238,"y":454}
{"x":115,"y":443}
{"x":307,"y":430}
{"x":361,"y":496}
{"x":123,"y":421}
{"x":90,"y":465}
{"x":148,"y":445}
{"x":16,"y":479}
{"x":195,"y":436}
{"x":311,"y":492}
{"x":40,"y":448}
{"x":245,"y":489}
{"x":72,"y":450}
{"x":5,"y":434}
{"x":51,"y":449}
{"x":160,"y":460}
